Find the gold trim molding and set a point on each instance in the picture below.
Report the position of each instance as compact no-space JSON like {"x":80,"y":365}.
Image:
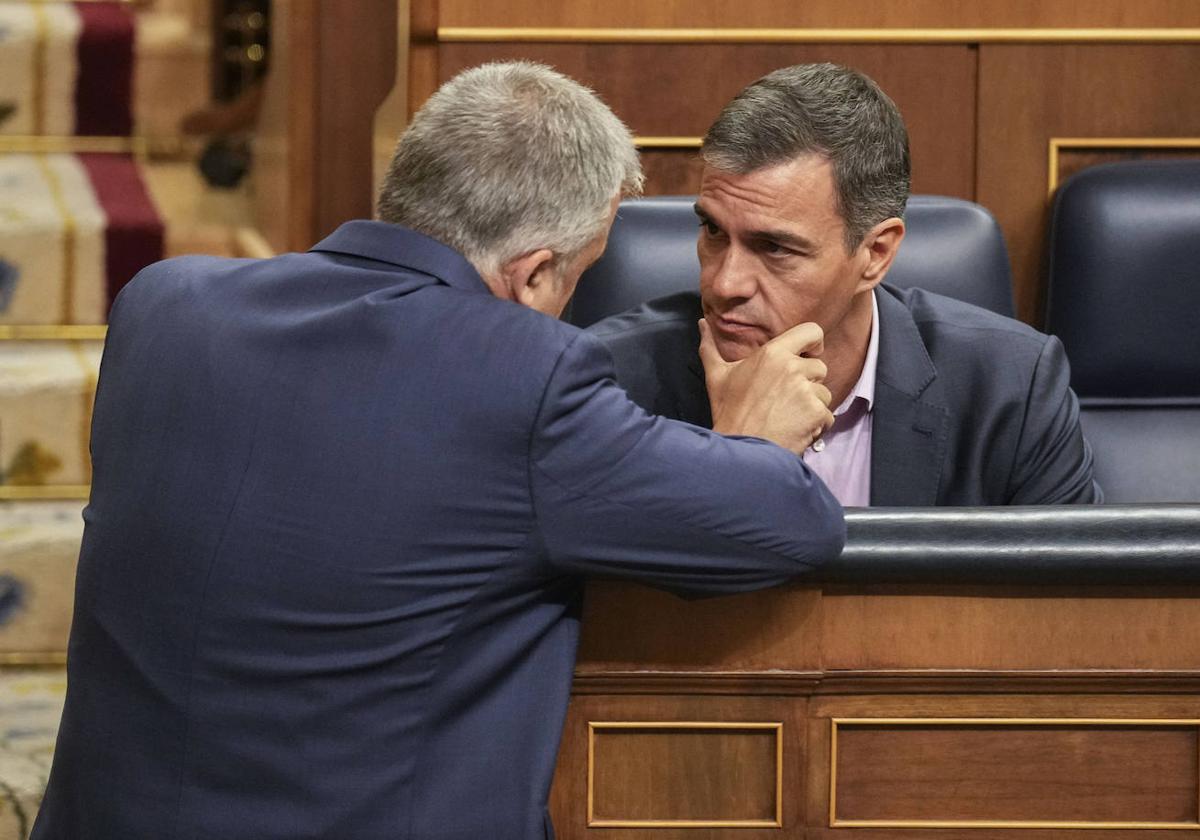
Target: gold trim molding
{"x":593,"y":726}
{"x":56,"y":658}
{"x":476,"y":34}
{"x":835,"y":822}
{"x":44,"y":492}
{"x":53,"y":332}
{"x":1058,"y":144}
{"x":668,"y":142}
{"x":75,"y":144}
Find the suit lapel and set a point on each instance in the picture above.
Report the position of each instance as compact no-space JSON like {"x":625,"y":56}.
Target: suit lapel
{"x":910,"y":425}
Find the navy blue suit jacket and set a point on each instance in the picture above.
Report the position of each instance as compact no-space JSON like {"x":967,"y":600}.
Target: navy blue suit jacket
{"x":343,"y":505}
{"x":971,"y":408}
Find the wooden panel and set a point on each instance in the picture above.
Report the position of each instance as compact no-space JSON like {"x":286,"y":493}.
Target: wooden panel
{"x":736,"y":788}
{"x":628,"y":627}
{"x":422,"y":53}
{"x":1030,"y":94}
{"x":704,"y":773}
{"x":1072,"y":160}
{"x":822,"y":13}
{"x":934,"y":87}
{"x":284,"y":140}
{"x":671,"y":172}
{"x":1125,"y":706}
{"x":355,"y":70}
{"x":391,"y":118}
{"x":331,"y":69}
{"x":1018,"y":773}
{"x":1009,"y":628}
{"x":845,"y":833}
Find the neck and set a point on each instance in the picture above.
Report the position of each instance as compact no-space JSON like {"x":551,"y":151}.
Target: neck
{"x":846,"y":348}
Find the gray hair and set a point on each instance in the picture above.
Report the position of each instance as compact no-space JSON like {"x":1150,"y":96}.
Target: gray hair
{"x":507,"y":158}
{"x":831,"y":111}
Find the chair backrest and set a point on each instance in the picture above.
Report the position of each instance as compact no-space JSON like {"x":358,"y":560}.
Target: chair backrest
{"x":651,"y":253}
{"x":1124,"y":297}
{"x":952,"y":247}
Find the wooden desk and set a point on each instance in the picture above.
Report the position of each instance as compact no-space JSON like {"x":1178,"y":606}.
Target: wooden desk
{"x":885,"y":711}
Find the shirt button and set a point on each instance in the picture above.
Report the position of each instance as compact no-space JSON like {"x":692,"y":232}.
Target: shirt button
{"x":818,"y":445}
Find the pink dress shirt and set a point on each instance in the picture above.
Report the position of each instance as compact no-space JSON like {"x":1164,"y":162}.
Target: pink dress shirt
{"x":842,"y":456}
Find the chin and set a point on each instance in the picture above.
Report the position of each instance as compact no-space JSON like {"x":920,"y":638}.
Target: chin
{"x":733,"y":351}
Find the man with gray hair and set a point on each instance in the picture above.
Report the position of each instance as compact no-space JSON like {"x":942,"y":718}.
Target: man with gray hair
{"x":801,"y":208}
{"x":344,"y":502}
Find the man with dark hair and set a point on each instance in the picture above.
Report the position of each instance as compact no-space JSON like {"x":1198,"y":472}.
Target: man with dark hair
{"x":801,"y":207}
{"x":344,"y":502}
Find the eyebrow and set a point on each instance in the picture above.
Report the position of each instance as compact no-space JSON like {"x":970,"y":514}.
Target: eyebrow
{"x":782,"y":237}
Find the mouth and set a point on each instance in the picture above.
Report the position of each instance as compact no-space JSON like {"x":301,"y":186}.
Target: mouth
{"x":732,"y":327}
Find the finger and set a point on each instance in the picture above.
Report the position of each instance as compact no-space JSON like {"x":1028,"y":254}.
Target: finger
{"x":807,"y":339}
{"x":822,"y":393}
{"x":814,"y":370}
{"x":710,"y":356}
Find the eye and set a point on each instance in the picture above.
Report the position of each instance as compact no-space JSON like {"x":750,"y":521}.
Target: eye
{"x":709,"y":228}
{"x":774,"y":249}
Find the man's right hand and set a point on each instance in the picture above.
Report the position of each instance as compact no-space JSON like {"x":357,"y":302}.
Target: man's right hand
{"x":775,"y":393}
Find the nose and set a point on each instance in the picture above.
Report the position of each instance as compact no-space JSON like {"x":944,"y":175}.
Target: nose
{"x":727,"y":273}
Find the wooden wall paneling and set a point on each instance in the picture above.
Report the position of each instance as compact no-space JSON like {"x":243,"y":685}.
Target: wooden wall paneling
{"x":657,"y":91}
{"x":1030,"y":94}
{"x":391,"y":117}
{"x":1047,"y":768}
{"x":937,"y":652}
{"x":818,"y":762}
{"x":843,"y":629}
{"x":999,"y":628}
{"x":332,"y":67}
{"x":846,"y":833}
{"x":671,"y":171}
{"x":633,"y":628}
{"x":355,"y":71}
{"x":822,"y":13}
{"x":702,"y":785}
{"x":981,"y":775}
{"x":1122,"y":700}
{"x":285,"y":138}
{"x":1019,"y":771}
{"x":1069,"y":158}
{"x":423,"y":52}
{"x":733,"y":773}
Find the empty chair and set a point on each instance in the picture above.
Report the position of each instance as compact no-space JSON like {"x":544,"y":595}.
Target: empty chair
{"x":952,"y":247}
{"x":1124,"y":297}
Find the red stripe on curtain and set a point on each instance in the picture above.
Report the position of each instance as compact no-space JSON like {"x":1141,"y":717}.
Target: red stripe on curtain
{"x":134,"y":236}
{"x":104,"y":87}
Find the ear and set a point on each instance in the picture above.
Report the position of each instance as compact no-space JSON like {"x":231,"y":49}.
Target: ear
{"x":880,"y":245}
{"x":529,"y":278}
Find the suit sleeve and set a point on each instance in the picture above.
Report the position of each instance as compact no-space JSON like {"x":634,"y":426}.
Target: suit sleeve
{"x":621,"y":493}
{"x":1053,"y":461}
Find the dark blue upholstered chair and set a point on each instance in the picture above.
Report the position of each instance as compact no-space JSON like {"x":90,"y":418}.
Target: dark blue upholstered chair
{"x":952,"y":247}
{"x":1124,"y":297}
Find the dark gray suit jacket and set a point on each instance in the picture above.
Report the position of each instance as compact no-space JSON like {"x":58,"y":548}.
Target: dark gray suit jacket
{"x":971,"y":408}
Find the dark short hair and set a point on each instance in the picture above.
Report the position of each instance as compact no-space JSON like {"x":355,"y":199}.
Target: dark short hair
{"x":828,"y":110}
